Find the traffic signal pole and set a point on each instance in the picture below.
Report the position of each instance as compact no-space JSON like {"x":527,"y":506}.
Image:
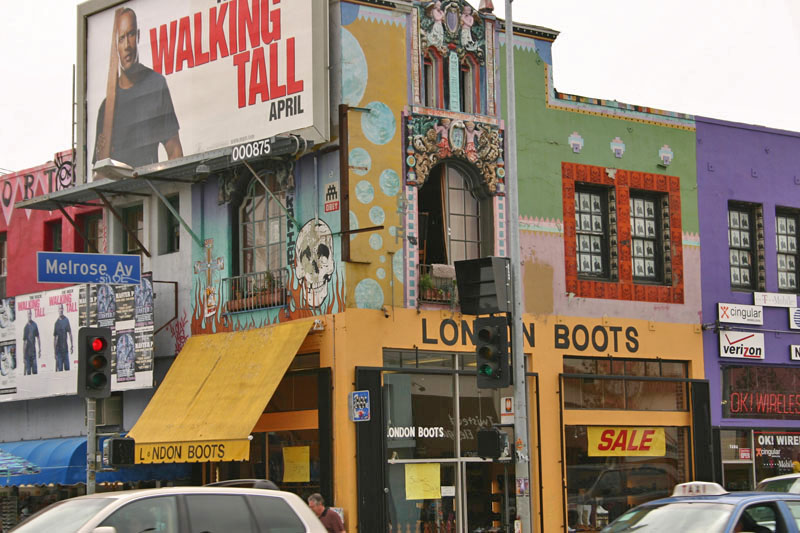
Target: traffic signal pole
{"x":91,"y":444}
{"x":521,"y":456}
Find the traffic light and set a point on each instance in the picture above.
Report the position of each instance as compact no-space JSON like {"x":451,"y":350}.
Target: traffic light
{"x":491,"y":343}
{"x":484,"y":285}
{"x":491,"y":443}
{"x":119,"y":451}
{"x":94,"y":362}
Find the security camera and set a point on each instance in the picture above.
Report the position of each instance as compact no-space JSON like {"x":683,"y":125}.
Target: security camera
{"x":202,"y":171}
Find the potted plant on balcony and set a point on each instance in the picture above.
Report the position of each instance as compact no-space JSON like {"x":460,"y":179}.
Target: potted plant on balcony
{"x":426,"y":288}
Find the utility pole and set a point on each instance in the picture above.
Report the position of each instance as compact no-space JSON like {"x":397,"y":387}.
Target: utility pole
{"x":91,"y":444}
{"x":521,"y":456}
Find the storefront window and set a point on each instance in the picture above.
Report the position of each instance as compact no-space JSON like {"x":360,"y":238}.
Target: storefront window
{"x":420,"y":416}
{"x":417,"y":359}
{"x":477,"y":409}
{"x":594,"y":392}
{"x":756,"y":391}
{"x":611,"y":469}
{"x":293,"y":460}
{"x":422,"y":497}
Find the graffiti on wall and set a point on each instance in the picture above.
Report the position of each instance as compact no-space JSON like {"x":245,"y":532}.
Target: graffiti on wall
{"x":47,"y":178}
{"x":314,"y":262}
{"x":177,"y":328}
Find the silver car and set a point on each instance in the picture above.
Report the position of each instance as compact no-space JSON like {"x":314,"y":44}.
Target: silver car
{"x":178,"y":510}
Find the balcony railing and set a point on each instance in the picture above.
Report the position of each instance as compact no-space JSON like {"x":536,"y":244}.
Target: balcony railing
{"x":437,"y":284}
{"x":258,"y":290}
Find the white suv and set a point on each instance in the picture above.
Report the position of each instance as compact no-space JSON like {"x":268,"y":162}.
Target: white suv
{"x":178,"y":510}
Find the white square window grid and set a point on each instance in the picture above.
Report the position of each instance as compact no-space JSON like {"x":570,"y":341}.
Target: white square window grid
{"x":590,"y":232}
{"x":644,"y":235}
{"x":786,"y":226}
{"x":740,"y":241}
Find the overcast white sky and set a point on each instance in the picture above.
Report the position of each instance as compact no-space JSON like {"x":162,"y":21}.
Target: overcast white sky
{"x":735,"y":59}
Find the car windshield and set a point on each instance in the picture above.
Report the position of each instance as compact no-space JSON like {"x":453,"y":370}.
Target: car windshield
{"x":777,"y":485}
{"x":686,"y":517}
{"x":65,"y":517}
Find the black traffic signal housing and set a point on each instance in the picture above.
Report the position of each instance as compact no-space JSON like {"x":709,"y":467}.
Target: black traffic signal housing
{"x":491,"y":443}
{"x":119,"y":451}
{"x":484,"y":285}
{"x":94,"y":362}
{"x":491,"y":346}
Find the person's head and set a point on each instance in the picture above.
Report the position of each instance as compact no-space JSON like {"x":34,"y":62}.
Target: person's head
{"x":317,"y":503}
{"x":127,"y":39}
{"x":30,"y":315}
{"x":60,"y":310}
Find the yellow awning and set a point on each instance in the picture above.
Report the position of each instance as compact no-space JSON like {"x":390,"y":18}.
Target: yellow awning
{"x":214,"y":394}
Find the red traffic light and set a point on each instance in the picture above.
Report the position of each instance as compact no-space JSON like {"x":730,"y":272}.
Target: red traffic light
{"x":98,"y":344}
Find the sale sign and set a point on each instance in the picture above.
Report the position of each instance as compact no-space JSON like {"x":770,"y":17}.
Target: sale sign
{"x":626,"y":441}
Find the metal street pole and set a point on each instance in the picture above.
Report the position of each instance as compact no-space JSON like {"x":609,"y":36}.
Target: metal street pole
{"x":91,"y":444}
{"x":522,"y":460}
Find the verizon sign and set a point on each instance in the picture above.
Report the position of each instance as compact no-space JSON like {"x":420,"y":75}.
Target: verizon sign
{"x":741,"y":344}
{"x":740,"y":314}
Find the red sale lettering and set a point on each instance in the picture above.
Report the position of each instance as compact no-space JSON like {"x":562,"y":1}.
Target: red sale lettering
{"x":647,"y":439}
{"x":606,"y":438}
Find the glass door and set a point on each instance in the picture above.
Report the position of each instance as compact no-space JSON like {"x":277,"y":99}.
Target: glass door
{"x":422,"y":497}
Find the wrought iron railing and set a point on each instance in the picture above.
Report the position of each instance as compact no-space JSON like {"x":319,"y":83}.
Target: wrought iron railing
{"x":437,"y":284}
{"x":257,"y":290}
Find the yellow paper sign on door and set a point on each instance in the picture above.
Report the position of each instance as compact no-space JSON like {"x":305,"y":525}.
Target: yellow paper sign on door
{"x":423,"y":481}
{"x":296,"y":464}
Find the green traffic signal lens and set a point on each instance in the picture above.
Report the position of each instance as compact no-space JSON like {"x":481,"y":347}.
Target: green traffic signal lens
{"x":486,"y":370}
{"x":97,"y":381}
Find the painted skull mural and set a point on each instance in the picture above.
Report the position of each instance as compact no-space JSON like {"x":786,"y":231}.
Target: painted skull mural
{"x":314,"y":263}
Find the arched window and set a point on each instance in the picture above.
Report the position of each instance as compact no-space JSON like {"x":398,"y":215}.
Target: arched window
{"x":470,"y":86}
{"x":263,"y":226}
{"x":432,"y":79}
{"x":455,"y":218}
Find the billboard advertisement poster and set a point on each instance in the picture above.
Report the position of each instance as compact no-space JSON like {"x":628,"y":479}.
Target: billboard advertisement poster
{"x":128,"y":311}
{"x":165,"y":80}
{"x":7,"y":314}
{"x":42,"y":359}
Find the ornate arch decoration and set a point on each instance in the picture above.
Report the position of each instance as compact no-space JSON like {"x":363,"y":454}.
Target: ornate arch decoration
{"x":453,"y":25}
{"x":432,"y":139}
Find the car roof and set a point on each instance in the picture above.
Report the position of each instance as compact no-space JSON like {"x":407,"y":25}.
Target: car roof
{"x":784,"y":476}
{"x":139,"y":493}
{"x":730,"y":498}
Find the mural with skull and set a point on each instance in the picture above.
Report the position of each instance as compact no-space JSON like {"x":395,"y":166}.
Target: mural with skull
{"x":314,"y":262}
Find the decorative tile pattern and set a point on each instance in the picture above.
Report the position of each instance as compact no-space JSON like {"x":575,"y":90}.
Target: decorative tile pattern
{"x":624,"y":288}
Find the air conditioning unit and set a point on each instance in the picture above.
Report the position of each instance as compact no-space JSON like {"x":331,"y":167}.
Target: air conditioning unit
{"x":109,"y":411}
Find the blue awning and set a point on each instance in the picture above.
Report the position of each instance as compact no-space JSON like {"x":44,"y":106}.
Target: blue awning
{"x":63,"y":462}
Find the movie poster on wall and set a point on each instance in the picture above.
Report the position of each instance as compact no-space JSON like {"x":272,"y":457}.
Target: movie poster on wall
{"x":128,"y":311}
{"x":43,"y":354}
{"x":8,"y":346}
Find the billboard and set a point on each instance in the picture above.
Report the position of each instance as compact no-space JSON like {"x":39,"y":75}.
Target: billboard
{"x":164,"y":80}
{"x":39,"y":335}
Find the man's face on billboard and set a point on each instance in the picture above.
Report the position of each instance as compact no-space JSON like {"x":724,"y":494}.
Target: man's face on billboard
{"x":127,"y":40}
{"x":61,"y":310}
{"x":30,"y":316}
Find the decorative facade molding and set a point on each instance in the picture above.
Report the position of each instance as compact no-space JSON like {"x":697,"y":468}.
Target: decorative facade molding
{"x":453,"y":25}
{"x":432,"y":139}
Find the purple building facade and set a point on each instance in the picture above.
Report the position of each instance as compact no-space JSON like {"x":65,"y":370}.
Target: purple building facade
{"x":749,"y":213}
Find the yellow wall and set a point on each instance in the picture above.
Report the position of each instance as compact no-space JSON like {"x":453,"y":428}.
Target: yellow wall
{"x":358,"y":337}
{"x":381,"y":36}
